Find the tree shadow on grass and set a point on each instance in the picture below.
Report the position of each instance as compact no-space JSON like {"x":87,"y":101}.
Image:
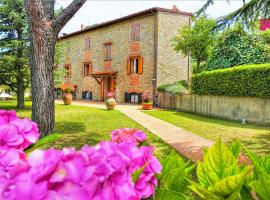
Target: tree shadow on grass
{"x":69,"y":127}
{"x":76,"y":140}
{"x":13,"y":107}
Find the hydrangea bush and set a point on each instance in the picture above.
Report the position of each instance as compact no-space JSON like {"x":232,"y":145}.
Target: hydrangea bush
{"x":111,"y":170}
{"x":128,"y":135}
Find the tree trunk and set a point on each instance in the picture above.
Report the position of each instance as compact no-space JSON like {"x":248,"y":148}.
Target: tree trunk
{"x":44,"y":29}
{"x":20,"y":80}
{"x":198,"y":63}
{"x":42,"y":81}
{"x":20,"y":92}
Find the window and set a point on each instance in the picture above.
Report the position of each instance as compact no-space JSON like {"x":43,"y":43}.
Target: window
{"x":87,"y":95}
{"x":68,"y":70}
{"x":87,"y":43}
{"x":133,"y":97}
{"x":135,"y":32}
{"x":107,"y":51}
{"x":135,"y":65}
{"x":87,"y":69}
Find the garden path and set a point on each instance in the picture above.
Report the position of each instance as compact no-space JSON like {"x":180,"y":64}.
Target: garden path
{"x":187,"y":143}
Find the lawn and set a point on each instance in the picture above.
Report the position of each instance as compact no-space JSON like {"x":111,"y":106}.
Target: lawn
{"x":254,"y":137}
{"x":76,"y":126}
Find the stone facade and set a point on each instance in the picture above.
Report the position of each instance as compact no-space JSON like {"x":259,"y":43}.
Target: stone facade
{"x":118,"y":35}
{"x":171,"y":66}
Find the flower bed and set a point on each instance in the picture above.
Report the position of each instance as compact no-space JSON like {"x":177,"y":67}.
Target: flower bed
{"x":118,"y":169}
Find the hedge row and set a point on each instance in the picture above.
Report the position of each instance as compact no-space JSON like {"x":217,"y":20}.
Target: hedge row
{"x":245,"y":80}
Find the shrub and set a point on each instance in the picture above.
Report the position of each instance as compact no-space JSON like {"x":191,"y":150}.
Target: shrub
{"x":237,"y":47}
{"x":173,"y":182}
{"x":146,"y":97}
{"x":179,"y":87}
{"x":250,"y":80}
{"x":219,"y":175}
{"x":119,"y":169}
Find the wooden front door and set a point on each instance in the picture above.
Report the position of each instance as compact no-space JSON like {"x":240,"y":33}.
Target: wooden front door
{"x":102,"y":89}
{"x":111,"y":85}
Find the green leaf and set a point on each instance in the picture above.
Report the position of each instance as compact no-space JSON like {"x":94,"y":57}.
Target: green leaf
{"x":176,"y":178}
{"x":165,"y":194}
{"x":231,"y":184}
{"x":137,"y":173}
{"x":261,"y":186}
{"x":202,"y":192}
{"x":219,"y":175}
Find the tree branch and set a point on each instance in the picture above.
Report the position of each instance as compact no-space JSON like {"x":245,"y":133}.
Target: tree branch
{"x":66,"y":14}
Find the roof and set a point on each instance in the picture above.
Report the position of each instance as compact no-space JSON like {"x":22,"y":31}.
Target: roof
{"x":138,"y":14}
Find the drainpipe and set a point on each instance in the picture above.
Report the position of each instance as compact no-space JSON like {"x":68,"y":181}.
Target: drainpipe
{"x":154,"y":80}
{"x":188,"y":56}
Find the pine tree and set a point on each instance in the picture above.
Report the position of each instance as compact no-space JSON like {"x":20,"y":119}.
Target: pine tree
{"x":248,"y":14}
{"x":14,"y":68}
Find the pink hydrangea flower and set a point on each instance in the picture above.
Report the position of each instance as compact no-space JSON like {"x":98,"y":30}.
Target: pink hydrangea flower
{"x":145,"y":186}
{"x":28,"y":130}
{"x":10,"y":136}
{"x":103,"y":172}
{"x":16,"y":132}
{"x":128,"y":135}
{"x":7,"y":116}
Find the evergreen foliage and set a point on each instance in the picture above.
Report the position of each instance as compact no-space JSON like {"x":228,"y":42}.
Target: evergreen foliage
{"x":237,"y":47}
{"x":248,"y":14}
{"x":14,"y":68}
{"x":246,"y":80}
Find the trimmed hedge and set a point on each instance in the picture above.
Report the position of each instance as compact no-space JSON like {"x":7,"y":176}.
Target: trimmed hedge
{"x":246,"y":80}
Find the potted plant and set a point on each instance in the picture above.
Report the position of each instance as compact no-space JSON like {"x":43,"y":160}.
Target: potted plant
{"x":147,"y":104}
{"x":67,"y":91}
{"x":110,"y":101}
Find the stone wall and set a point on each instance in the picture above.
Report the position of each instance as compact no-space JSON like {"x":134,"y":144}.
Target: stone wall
{"x":171,"y":66}
{"x":250,"y":109}
{"x":119,"y":35}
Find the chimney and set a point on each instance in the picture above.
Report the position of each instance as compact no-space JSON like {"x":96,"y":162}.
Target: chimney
{"x":83,"y":26}
{"x":174,"y":8}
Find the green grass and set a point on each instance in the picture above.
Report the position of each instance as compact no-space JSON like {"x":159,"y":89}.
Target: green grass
{"x":77,"y":126}
{"x":255,"y":138}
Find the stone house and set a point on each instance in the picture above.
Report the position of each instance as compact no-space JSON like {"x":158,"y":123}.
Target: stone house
{"x":126,"y":56}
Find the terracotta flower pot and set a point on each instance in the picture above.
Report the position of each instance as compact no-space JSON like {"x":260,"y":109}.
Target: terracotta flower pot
{"x":147,"y":106}
{"x":110,"y":103}
{"x":67,"y":98}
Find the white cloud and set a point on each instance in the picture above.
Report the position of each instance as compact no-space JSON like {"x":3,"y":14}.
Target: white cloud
{"x":94,"y":12}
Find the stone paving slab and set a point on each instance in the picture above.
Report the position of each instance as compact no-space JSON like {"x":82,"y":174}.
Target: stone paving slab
{"x":185,"y":142}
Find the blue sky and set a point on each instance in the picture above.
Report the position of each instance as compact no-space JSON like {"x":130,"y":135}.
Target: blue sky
{"x":99,"y":11}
